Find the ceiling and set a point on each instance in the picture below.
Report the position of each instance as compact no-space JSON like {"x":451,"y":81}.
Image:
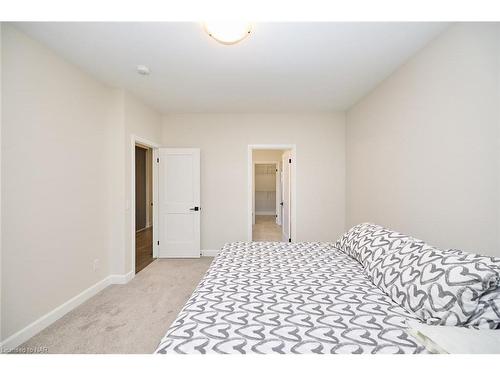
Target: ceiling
{"x":280,"y":67}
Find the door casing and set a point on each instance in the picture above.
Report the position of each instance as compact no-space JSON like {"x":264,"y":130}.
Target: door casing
{"x":286,"y":197}
{"x":131,"y":207}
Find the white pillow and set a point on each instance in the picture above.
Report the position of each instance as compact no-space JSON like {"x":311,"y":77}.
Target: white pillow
{"x":455,"y":340}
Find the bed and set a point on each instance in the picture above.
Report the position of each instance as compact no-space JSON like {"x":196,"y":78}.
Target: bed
{"x":263,"y":297}
{"x":270,"y":297}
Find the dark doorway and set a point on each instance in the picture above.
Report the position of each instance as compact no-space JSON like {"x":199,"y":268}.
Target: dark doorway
{"x":143,"y":208}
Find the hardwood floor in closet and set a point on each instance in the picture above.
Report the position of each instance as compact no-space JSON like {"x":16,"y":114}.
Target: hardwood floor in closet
{"x":143,"y":248}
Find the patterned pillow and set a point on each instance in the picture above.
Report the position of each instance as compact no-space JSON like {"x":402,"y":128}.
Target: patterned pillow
{"x":492,"y":262}
{"x":441,"y":287}
{"x":344,"y":243}
{"x":379,"y":242}
{"x":488,"y":313}
{"x":367,"y":242}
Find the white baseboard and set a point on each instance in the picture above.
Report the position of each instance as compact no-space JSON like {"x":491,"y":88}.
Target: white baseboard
{"x":40,"y":324}
{"x":265,"y":213}
{"x":121,"y":279}
{"x":209,"y":253}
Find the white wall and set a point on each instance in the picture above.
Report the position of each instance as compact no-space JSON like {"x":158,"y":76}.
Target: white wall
{"x":1,"y":303}
{"x":423,"y":148}
{"x":66,"y":175}
{"x":116,"y":161}
{"x":224,"y":139}
{"x":54,"y":181}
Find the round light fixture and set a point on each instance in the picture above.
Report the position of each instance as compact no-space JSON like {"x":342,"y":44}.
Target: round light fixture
{"x":228,"y":32}
{"x":143,"y":70}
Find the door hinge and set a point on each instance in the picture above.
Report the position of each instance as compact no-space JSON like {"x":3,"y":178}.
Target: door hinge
{"x":289,"y":161}
{"x":289,"y":240}
{"x":157,"y":160}
{"x":158,"y":243}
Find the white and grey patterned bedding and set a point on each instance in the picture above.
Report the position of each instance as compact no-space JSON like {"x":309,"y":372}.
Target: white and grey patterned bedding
{"x":263,"y":297}
{"x":439,"y":287}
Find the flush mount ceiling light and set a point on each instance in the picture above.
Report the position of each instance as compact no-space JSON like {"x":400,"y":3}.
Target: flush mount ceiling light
{"x":228,"y":32}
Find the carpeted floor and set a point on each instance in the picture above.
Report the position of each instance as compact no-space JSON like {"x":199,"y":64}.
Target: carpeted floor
{"x":129,"y":318}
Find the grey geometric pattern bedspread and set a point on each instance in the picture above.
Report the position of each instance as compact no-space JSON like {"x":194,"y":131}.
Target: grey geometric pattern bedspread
{"x":264,"y":297}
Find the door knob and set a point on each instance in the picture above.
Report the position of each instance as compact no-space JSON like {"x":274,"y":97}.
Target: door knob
{"x":196,"y":208}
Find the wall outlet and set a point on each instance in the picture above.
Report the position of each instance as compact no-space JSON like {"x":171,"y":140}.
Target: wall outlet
{"x":95,"y":265}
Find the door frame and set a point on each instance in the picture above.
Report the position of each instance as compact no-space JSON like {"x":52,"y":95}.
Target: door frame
{"x":278,"y":190}
{"x":250,"y":179}
{"x":148,"y":174}
{"x":154,"y":146}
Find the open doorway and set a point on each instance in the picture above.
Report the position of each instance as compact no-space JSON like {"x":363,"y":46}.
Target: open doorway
{"x":267,"y":201}
{"x":271,"y":193}
{"x":143,"y":207}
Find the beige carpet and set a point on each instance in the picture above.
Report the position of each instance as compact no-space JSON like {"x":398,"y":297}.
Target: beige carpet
{"x":129,"y":318}
{"x":266,"y":229}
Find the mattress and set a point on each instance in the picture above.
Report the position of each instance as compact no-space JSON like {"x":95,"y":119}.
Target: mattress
{"x":269,"y":297}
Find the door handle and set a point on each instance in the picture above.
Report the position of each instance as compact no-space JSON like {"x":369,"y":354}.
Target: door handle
{"x":195,"y":208}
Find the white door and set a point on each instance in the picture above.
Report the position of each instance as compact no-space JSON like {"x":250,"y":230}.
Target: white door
{"x":179,"y":203}
{"x":287,"y":233}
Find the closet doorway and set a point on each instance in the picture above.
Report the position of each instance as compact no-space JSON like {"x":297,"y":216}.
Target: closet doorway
{"x":143,"y":207}
{"x":271,"y":187}
{"x":267,"y":201}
